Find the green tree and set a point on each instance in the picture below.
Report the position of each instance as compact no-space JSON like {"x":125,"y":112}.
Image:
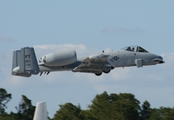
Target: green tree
{"x":145,"y":111}
{"x":25,"y":110}
{"x":154,"y":114}
{"x":101,"y":108}
{"x":86,"y":115}
{"x":4,"y":99}
{"x":167,"y":113}
{"x":163,"y":113}
{"x":115,"y":107}
{"x":7,"y":117}
{"x":68,"y":111}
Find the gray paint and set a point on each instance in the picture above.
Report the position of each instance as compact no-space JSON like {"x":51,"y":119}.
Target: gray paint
{"x":24,"y":62}
{"x":68,"y":61}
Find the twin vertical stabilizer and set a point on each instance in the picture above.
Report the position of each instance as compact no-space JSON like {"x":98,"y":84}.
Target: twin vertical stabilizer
{"x":24,"y":62}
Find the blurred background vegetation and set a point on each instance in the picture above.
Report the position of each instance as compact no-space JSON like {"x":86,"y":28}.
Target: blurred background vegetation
{"x":123,"y":106}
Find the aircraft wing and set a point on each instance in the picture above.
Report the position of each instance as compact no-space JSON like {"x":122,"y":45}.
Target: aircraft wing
{"x":94,"y":64}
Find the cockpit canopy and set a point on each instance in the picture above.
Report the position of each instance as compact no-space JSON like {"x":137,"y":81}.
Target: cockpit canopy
{"x":135,"y":49}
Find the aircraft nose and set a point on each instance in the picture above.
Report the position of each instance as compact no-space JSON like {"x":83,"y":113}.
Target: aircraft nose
{"x":158,"y":60}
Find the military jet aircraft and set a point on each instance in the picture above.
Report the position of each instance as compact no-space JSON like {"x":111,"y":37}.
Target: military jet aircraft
{"x":25,"y":63}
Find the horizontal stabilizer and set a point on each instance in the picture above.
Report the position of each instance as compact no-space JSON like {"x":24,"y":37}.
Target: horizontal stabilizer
{"x":24,"y":62}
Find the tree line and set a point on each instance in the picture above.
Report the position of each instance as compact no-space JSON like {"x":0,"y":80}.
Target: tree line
{"x":123,"y":106}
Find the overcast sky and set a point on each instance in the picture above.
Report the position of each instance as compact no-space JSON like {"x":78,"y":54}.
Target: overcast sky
{"x":88,"y":27}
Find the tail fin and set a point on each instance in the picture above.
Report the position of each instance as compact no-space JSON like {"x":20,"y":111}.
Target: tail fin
{"x":40,"y":111}
{"x":24,"y":62}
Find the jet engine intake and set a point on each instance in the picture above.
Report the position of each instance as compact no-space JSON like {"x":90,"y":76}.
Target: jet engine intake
{"x":60,"y":58}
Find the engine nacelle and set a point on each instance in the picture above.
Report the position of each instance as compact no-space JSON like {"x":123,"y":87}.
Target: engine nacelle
{"x":60,"y":58}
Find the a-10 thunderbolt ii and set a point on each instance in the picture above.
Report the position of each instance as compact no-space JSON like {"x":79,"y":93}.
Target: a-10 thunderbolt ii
{"x":25,"y":63}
